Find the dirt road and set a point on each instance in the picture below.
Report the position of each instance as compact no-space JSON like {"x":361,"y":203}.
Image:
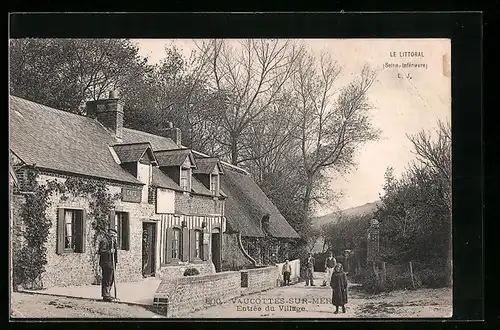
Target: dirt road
{"x":42,"y":306}
{"x":297,"y":301}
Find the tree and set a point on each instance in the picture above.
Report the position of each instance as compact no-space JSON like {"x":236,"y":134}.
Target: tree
{"x":64,"y":73}
{"x":331,"y":125}
{"x":436,"y":154}
{"x":416,"y":211}
{"x":249,"y":77}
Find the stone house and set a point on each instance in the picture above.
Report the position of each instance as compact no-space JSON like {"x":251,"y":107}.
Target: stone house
{"x":171,"y":212}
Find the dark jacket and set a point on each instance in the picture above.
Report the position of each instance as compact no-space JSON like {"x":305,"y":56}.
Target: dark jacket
{"x":105,"y":256}
{"x":339,"y":288}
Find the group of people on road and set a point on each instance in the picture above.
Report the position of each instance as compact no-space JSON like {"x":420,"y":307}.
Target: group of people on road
{"x":334,"y":275}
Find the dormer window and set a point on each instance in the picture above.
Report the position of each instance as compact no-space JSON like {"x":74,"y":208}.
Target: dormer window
{"x":208,"y":171}
{"x":185,"y":179}
{"x":214,"y":184}
{"x":178,"y":164}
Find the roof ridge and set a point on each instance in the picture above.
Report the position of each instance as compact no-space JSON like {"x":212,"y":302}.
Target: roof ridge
{"x":49,"y":107}
{"x":130,"y":143}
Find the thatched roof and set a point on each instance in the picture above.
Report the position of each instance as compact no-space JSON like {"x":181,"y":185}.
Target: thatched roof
{"x":246,"y":205}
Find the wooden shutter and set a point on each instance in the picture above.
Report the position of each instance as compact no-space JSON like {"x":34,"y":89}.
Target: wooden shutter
{"x":205,"y":250}
{"x":126,"y":232}
{"x":192,"y":244}
{"x":185,"y":244}
{"x":84,"y":230}
{"x":168,"y":257}
{"x":60,"y":231}
{"x":112,"y":219}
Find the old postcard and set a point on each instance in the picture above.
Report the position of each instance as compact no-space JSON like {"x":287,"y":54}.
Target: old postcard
{"x":230,"y":178}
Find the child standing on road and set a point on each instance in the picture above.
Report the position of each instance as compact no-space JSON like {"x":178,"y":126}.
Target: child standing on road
{"x":338,"y":283}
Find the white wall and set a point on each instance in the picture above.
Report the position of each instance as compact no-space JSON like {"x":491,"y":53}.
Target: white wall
{"x":165,"y":201}
{"x":143,"y":175}
{"x":294,"y":265}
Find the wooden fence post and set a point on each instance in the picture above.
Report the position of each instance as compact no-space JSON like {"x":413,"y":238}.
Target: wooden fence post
{"x":411,"y":274}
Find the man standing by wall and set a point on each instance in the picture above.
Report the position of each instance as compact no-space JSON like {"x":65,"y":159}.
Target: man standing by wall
{"x":108,"y":257}
{"x":287,"y":270}
{"x":310,"y":270}
{"x":330,"y":263}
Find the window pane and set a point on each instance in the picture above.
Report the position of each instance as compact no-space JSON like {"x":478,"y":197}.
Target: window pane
{"x":68,"y":229}
{"x":176,"y":244}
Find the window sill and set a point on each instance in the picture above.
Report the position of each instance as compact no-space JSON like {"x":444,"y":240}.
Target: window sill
{"x":71,"y":252}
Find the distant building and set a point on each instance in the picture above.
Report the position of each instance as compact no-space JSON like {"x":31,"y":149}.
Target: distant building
{"x":178,"y":208}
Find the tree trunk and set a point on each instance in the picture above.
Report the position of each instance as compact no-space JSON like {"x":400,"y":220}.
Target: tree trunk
{"x":307,"y":199}
{"x":234,"y":149}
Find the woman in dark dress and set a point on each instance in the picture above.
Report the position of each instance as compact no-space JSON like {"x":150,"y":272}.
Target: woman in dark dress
{"x":339,"y":288}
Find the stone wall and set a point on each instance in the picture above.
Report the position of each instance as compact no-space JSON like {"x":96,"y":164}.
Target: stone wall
{"x":197,"y":205}
{"x":232,"y":256}
{"x":77,"y":268}
{"x":191,"y":293}
{"x":177,"y":271}
{"x":261,"y":279}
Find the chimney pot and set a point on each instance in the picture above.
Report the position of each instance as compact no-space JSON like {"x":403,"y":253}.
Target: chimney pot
{"x":170,"y":124}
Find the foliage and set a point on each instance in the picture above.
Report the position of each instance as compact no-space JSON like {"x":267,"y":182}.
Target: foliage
{"x":31,"y":257}
{"x":415,"y":214}
{"x":101,"y":201}
{"x":63,"y":73}
{"x":191,"y":272}
{"x":30,"y":260}
{"x":228,"y":98}
{"x":348,"y":233}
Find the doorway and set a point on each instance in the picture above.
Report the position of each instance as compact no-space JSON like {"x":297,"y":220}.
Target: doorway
{"x":148,"y":249}
{"x":216,"y":253}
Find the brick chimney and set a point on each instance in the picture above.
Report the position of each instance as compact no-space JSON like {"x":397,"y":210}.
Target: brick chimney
{"x":109,"y":112}
{"x":173,"y":133}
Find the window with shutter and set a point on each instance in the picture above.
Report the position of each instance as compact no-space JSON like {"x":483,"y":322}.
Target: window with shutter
{"x":175,"y":244}
{"x":71,"y":231}
{"x":205,"y":251}
{"x":198,"y":244}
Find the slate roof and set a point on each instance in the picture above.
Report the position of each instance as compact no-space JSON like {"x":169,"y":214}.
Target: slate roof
{"x":206,"y":165}
{"x":133,"y":152}
{"x":173,"y":157}
{"x":162,"y":180}
{"x":246,"y":204}
{"x":157,"y":142}
{"x":62,"y":141}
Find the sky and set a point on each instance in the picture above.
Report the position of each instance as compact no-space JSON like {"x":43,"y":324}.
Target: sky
{"x":401,"y":105}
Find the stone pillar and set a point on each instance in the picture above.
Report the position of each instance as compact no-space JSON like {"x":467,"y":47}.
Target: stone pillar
{"x":373,"y":246}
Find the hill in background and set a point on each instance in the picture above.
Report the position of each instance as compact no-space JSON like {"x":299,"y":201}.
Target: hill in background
{"x":334,"y":216}
{"x":317,"y":222}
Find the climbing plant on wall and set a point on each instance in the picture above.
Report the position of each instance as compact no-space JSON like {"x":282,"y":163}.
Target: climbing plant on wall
{"x":31,"y":256}
{"x":101,"y":201}
{"x":30,"y":260}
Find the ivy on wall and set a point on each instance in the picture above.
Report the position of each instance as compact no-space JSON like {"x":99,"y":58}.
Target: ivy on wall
{"x":30,"y":255}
